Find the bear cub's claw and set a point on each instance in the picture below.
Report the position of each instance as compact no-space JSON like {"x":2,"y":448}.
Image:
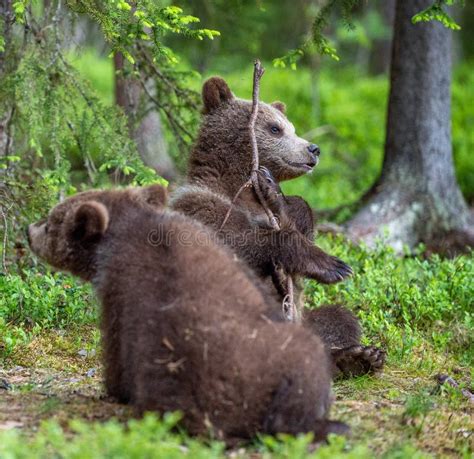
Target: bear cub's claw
{"x":271,"y":192}
{"x":269,"y":178}
{"x":358,"y":360}
{"x":269,"y":186}
{"x":329,"y":269}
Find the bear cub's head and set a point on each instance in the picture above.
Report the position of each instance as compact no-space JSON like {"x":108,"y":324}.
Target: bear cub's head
{"x":226,"y":120}
{"x":70,"y":236}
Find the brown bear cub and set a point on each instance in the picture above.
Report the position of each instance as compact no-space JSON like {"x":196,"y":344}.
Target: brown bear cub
{"x":185,"y":326}
{"x":220,"y":163}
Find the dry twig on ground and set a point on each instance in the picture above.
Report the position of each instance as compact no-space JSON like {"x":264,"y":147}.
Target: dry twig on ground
{"x":446,"y":379}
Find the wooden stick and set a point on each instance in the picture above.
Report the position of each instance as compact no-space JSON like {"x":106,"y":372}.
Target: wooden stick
{"x":289,"y":307}
{"x":257,"y":75}
{"x":227,"y":215}
{"x":253,"y":179}
{"x":258,"y":72}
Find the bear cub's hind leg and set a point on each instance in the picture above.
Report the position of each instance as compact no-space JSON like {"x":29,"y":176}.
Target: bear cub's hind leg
{"x":286,"y":415}
{"x":357,"y":360}
{"x":340,"y":331}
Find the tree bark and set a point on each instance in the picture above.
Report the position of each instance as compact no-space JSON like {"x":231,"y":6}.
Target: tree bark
{"x":146,"y":129}
{"x":417,"y":199}
{"x":379,"y":60}
{"x":6,"y":16}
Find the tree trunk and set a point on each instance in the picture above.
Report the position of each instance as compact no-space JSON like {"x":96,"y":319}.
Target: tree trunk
{"x":6,"y":16}
{"x":379,"y":60}
{"x":417,"y":199}
{"x":146,"y":129}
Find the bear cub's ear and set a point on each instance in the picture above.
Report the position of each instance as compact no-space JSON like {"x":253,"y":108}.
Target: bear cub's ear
{"x":91,"y":220}
{"x":279,"y":106}
{"x":214,"y":93}
{"x":155,"y":195}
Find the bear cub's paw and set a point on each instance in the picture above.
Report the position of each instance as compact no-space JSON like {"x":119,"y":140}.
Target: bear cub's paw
{"x":358,"y":360}
{"x":328,"y":269}
{"x":269,"y":182}
{"x":271,"y":192}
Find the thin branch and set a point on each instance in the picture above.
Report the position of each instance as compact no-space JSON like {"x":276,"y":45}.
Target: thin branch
{"x":247,"y":184}
{"x":257,"y":75}
{"x":253,"y":179}
{"x":175,"y":125}
{"x":290,"y":310}
{"x":173,"y":87}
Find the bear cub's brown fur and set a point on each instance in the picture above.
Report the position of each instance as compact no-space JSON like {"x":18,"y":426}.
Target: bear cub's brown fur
{"x":220,"y":163}
{"x":185,"y":327}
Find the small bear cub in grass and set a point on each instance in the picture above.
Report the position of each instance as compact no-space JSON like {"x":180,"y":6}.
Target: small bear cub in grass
{"x":184,"y":324}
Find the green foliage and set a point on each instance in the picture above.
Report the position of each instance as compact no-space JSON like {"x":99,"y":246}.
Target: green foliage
{"x":343,"y":10}
{"x":152,"y":438}
{"x":148,"y":438}
{"x":62,"y":136}
{"x":436,"y":12}
{"x":406,"y":303}
{"x":32,"y":301}
{"x":34,"y":298}
{"x":56,"y":111}
{"x":287,"y":446}
{"x":318,"y":40}
{"x":138,"y":30}
{"x":125,"y":26}
{"x":97,"y":70}
{"x":19,"y":9}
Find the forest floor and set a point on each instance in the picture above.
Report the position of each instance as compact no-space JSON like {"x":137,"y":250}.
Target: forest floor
{"x":403,"y":412}
{"x":421,"y":311}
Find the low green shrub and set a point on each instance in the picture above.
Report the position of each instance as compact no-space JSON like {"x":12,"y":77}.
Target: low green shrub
{"x":405,"y":302}
{"x":34,"y":300}
{"x":46,"y":299}
{"x":152,"y":438}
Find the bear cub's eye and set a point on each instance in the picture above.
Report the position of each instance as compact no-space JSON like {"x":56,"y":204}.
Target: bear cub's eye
{"x":275,"y":129}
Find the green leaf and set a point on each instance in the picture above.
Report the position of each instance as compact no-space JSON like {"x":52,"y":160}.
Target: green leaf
{"x":436,"y":12}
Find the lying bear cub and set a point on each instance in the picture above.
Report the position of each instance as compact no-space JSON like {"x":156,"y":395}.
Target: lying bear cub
{"x":186,"y":326}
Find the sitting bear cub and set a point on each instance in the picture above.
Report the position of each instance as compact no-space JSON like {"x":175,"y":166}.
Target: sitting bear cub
{"x":220,"y":163}
{"x":185,"y":326}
